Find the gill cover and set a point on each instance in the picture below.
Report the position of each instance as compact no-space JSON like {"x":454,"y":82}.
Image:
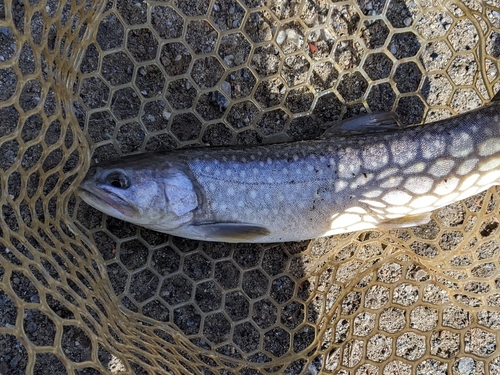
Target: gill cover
{"x":180,"y":194}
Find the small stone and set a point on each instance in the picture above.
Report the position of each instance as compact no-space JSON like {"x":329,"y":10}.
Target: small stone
{"x":221,"y":100}
{"x":216,"y":8}
{"x":165,"y":61}
{"x":294,"y":37}
{"x":229,"y":60}
{"x":226,"y":87}
{"x":466,"y":365}
{"x":281,"y":37}
{"x":166,"y":115}
{"x":6,"y":31}
{"x":408,"y":21}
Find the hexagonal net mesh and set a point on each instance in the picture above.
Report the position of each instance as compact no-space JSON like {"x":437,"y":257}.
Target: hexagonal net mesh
{"x":83,"y":293}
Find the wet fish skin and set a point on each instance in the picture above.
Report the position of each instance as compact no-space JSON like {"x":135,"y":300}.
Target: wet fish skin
{"x":303,"y":190}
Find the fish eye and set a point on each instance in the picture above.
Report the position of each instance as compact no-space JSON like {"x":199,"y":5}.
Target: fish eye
{"x":118,"y":180}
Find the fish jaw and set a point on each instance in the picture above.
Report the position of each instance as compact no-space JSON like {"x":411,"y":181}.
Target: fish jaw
{"x":106,"y":201}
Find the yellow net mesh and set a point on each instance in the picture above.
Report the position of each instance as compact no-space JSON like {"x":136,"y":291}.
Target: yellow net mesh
{"x":82,"y":293}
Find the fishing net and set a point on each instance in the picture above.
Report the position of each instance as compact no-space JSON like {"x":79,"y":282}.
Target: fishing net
{"x":83,"y":293}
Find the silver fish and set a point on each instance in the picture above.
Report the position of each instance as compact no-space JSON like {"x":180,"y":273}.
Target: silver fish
{"x":303,"y":190}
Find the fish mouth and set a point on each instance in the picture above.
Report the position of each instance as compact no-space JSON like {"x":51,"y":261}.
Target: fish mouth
{"x":106,"y":201}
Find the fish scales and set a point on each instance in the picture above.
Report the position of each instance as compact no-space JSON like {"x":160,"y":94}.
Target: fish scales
{"x":302,"y":190}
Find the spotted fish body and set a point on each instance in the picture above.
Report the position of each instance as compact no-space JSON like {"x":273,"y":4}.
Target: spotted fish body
{"x":303,"y":190}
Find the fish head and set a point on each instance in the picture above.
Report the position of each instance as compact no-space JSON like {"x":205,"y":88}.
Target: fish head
{"x":132,"y":190}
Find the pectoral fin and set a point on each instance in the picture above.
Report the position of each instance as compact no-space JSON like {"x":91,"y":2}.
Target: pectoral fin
{"x":230,"y":232}
{"x":372,"y":122}
{"x":405,"y":221}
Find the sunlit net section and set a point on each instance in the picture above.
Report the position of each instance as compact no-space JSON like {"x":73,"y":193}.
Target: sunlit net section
{"x":84,"y":293}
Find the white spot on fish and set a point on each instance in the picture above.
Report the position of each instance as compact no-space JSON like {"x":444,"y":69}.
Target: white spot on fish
{"x":489,"y":147}
{"x":208,"y":169}
{"x":228,"y":172}
{"x":446,"y":186}
{"x":375,"y":157}
{"x":345,"y":220}
{"x":387,"y":172}
{"x":419,"y":185}
{"x":212,"y":187}
{"x":399,"y":210}
{"x":461,"y":145}
{"x":467,"y":166}
{"x":433,"y":146}
{"x":491,"y":164}
{"x":373,"y":203}
{"x":404,"y":150}
{"x":470,"y":192}
{"x":469,"y":181}
{"x":415,"y":168}
{"x":423,"y":202}
{"x":447,"y":199}
{"x":372,"y":194}
{"x":441,"y":167}
{"x":340,"y":185}
{"x":295,"y":157}
{"x":253,"y":194}
{"x":369,"y":219}
{"x":230,"y":191}
{"x":397,"y":197}
{"x":490,"y":178}
{"x":360,"y":226}
{"x":356,"y":210}
{"x":392,"y":182}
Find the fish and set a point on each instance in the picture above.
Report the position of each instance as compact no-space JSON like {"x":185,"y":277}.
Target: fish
{"x":303,"y":190}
